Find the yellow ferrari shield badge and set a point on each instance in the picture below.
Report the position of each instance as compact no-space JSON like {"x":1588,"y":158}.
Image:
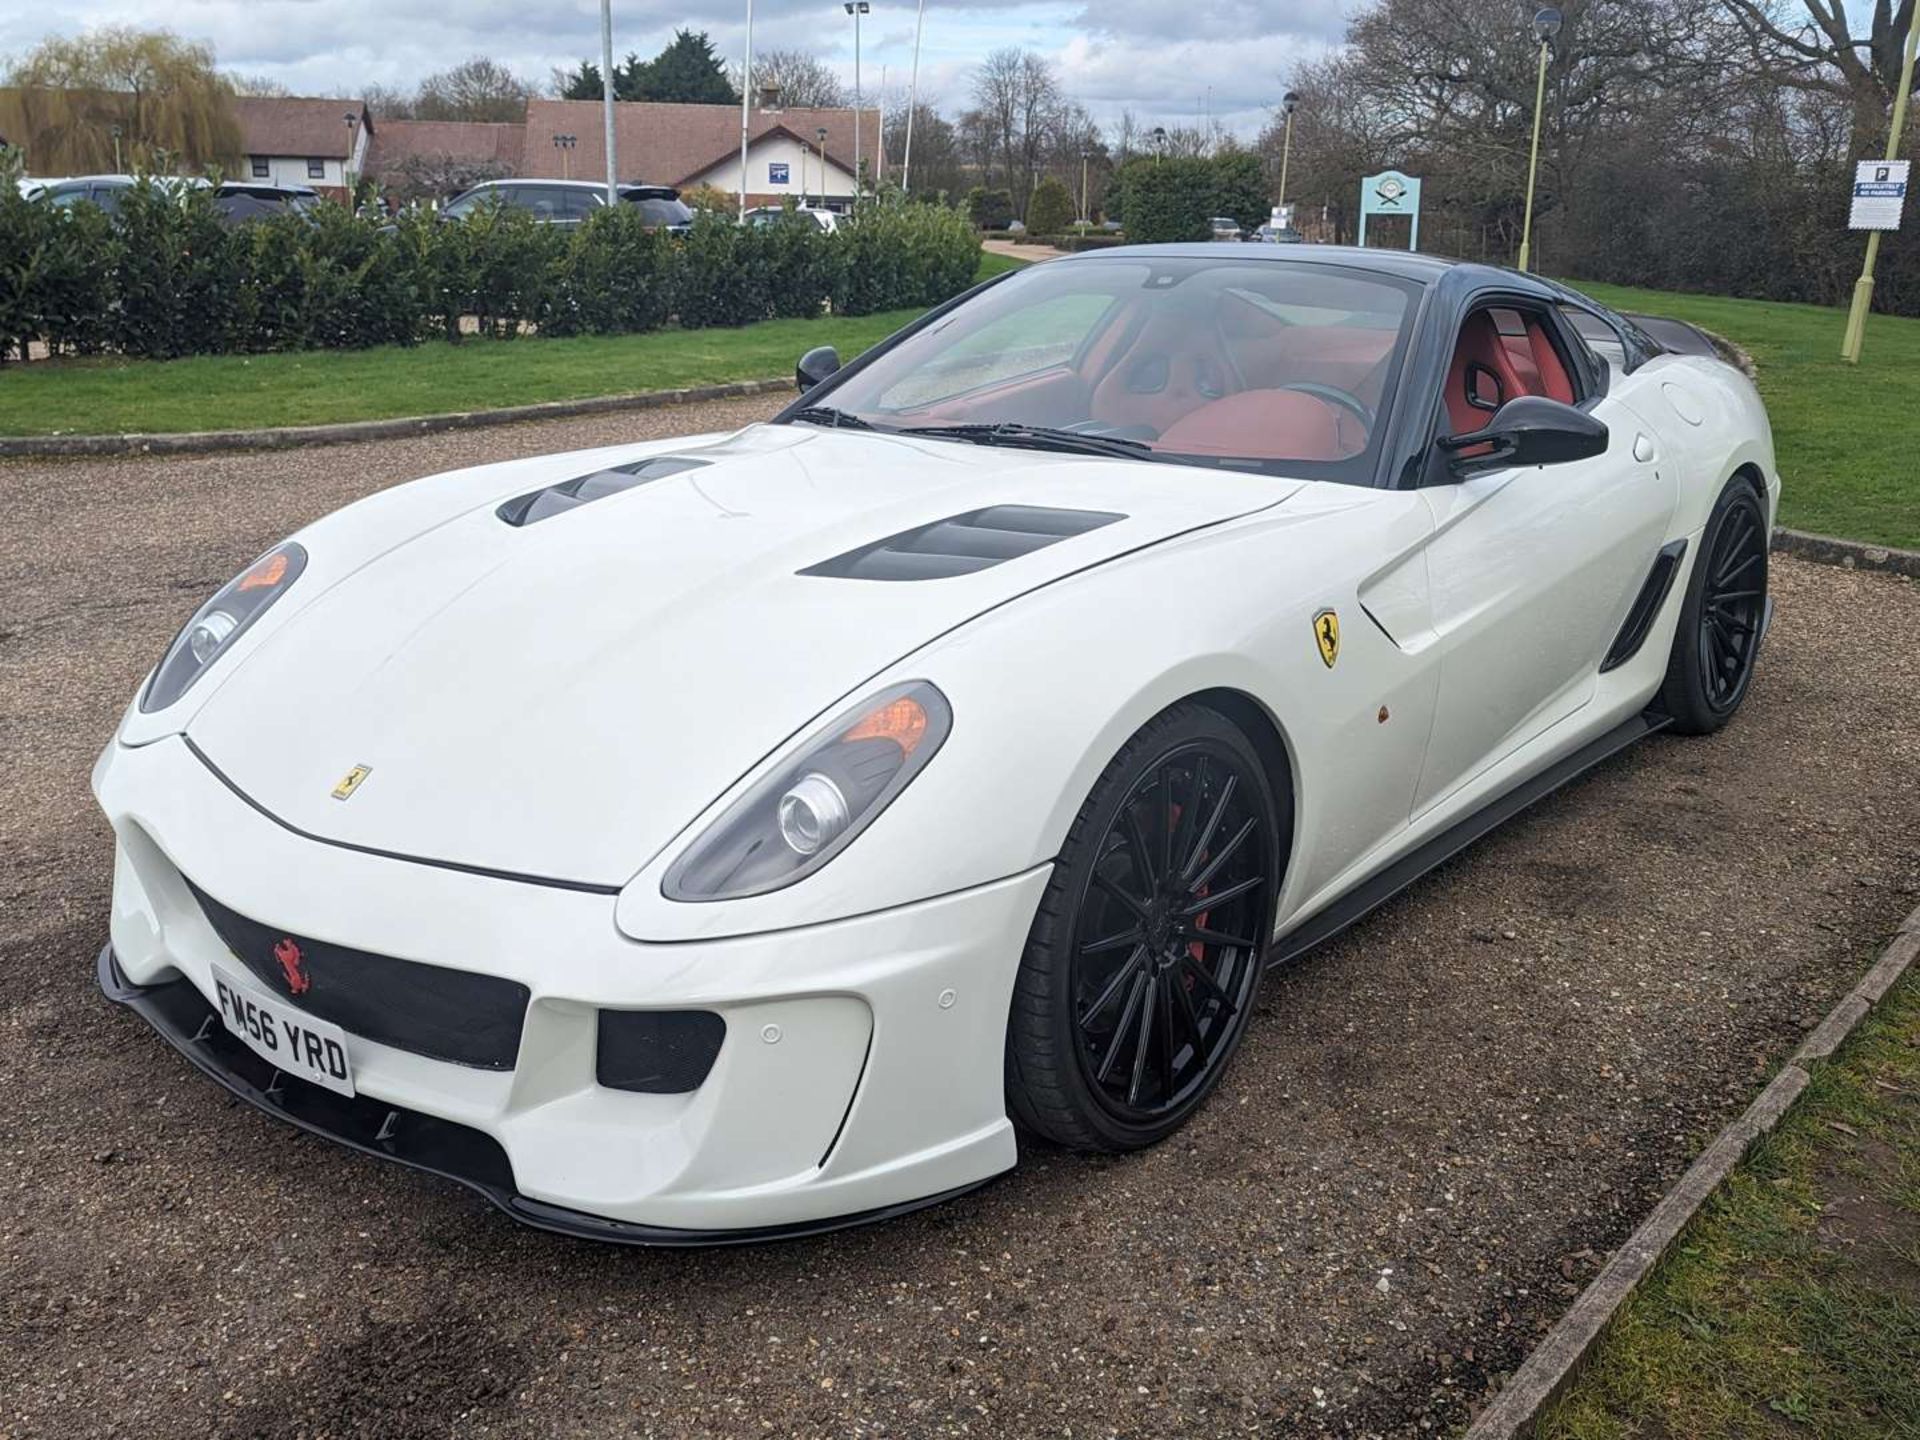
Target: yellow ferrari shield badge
{"x":351,"y":782}
{"x":1326,"y":630}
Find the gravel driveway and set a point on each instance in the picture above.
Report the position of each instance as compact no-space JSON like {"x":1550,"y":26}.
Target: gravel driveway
{"x":1439,"y":1125}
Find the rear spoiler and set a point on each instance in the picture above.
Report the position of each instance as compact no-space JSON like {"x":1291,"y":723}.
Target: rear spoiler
{"x":1679,"y":337}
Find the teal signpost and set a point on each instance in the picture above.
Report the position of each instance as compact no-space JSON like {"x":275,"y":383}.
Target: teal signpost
{"x":1391,"y":193}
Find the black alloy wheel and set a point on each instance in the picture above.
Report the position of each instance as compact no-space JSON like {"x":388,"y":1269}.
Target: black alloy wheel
{"x":1147,"y":952}
{"x":1723,"y":616}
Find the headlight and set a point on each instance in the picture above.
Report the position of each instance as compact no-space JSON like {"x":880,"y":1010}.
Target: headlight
{"x":219,"y":622}
{"x":808,"y":810}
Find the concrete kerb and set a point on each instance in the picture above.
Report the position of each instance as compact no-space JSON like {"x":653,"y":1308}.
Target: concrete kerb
{"x":1555,"y":1362}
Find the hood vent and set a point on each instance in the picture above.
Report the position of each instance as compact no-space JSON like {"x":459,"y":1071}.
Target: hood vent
{"x":962,"y":544}
{"x":572,"y":494}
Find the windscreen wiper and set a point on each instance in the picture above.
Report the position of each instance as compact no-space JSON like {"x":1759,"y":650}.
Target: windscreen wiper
{"x":1038,"y":437}
{"x":834,"y":419}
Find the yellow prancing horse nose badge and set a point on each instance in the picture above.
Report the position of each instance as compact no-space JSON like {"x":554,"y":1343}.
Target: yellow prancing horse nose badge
{"x":1326,"y":630}
{"x":344,"y":790}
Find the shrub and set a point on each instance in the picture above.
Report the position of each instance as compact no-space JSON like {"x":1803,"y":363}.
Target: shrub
{"x":615,"y":277}
{"x":724,"y":273}
{"x":1162,"y":200}
{"x":174,"y":268}
{"x":989,"y":209}
{"x":1050,"y":211}
{"x":893,"y":257}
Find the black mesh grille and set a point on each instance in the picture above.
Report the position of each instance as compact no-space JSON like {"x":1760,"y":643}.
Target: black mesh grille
{"x":452,"y":1015}
{"x":657,"y":1052}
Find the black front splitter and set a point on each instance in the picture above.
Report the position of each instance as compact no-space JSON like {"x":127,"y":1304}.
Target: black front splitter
{"x":424,"y":1142}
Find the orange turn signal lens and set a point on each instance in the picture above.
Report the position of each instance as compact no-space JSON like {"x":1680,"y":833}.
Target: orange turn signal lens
{"x":266,"y":574}
{"x":903,"y":721}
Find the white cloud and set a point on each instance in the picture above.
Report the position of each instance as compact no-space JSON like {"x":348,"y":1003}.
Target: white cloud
{"x":1155,"y":57}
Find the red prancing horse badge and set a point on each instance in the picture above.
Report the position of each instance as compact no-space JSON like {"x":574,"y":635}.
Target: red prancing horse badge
{"x":288,"y":954}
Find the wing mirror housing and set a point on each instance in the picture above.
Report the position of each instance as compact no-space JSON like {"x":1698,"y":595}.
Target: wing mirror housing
{"x":815,"y":368}
{"x":1527,"y":430}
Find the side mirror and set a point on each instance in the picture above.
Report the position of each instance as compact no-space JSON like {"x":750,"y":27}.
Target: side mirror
{"x":815,"y":367}
{"x":1527,"y":430}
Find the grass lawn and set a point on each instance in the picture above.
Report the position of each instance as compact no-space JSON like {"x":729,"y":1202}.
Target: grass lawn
{"x":1791,"y":1305}
{"x":245,"y":392}
{"x":1846,"y":435}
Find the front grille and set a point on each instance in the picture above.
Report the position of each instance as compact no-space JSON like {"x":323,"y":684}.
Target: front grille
{"x":430,"y":1010}
{"x":657,"y":1052}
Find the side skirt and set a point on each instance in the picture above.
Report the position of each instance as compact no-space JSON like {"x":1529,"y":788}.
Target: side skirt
{"x":1371,"y":894}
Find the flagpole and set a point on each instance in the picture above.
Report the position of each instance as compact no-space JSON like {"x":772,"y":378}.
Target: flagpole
{"x":913,"y":102}
{"x":606,"y":97}
{"x":746,"y":100}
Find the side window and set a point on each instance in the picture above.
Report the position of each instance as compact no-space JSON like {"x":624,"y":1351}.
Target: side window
{"x":1504,"y":351}
{"x":316,"y":169}
{"x":259,"y":164}
{"x":582,"y":203}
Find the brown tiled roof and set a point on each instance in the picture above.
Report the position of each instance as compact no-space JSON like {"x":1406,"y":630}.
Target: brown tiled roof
{"x":470,"y":140}
{"x":290,"y":125}
{"x":666,"y":144}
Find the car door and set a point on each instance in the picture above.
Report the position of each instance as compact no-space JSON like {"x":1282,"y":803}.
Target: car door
{"x":1531,"y":568}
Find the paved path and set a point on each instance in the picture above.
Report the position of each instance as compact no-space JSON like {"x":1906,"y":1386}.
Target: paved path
{"x":1438,"y":1128}
{"x":1019,"y":251}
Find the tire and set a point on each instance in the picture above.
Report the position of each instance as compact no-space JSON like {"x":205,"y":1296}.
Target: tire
{"x":1721,"y":617}
{"x":1120,"y":956}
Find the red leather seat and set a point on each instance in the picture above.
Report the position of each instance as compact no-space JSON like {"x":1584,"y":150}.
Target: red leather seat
{"x":1268,"y":425}
{"x":1517,"y":352}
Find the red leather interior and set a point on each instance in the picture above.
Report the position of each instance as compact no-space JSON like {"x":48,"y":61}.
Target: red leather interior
{"x":1268,"y":425}
{"x":1516,"y":349}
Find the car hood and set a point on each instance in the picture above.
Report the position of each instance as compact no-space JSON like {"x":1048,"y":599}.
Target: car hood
{"x":559,"y":699}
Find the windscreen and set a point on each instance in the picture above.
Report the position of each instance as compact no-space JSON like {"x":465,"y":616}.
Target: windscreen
{"x":1269,"y":365}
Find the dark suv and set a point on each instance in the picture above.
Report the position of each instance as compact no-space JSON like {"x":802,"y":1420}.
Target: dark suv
{"x":568,"y":202}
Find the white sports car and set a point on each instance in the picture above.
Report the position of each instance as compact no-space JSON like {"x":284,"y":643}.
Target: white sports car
{"x":753,"y":834}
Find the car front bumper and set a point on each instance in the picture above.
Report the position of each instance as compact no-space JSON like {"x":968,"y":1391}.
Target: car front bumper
{"x":860,"y":1074}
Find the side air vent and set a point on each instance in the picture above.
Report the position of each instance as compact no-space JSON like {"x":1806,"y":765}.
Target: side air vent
{"x":572,"y":494}
{"x":1646,"y":605}
{"x":962,"y":544}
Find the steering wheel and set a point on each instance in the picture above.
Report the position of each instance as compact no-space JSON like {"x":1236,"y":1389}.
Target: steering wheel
{"x":1333,"y":395}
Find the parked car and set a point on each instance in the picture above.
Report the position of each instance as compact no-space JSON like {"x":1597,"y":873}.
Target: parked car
{"x":235,"y":201}
{"x":568,"y":202}
{"x":735,"y":836}
{"x":1226,"y":228}
{"x":827,"y":220}
{"x":1271,"y":234}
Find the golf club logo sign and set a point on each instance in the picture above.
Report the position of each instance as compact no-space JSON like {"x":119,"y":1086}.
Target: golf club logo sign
{"x":1391,"y":193}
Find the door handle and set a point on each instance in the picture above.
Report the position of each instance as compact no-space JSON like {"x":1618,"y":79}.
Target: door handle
{"x":1642,"y":448}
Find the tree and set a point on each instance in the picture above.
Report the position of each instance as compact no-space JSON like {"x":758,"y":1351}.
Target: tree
{"x":1017,"y":106}
{"x":939,"y":168}
{"x":476,"y":89}
{"x":989,"y":209}
{"x":263,"y":85}
{"x":163,"y":95}
{"x":686,"y":71}
{"x":439,"y":176}
{"x":1051,"y":210}
{"x":1812,"y":44}
{"x":800,"y":80}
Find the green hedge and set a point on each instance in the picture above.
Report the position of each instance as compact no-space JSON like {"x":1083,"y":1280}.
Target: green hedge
{"x":1176,"y":199}
{"x":165,"y":278}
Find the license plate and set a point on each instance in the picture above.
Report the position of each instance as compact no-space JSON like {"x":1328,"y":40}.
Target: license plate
{"x":296,"y":1042}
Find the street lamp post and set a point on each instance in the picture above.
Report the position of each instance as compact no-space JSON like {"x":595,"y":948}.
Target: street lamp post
{"x":1546,"y":25}
{"x":1863,"y":287}
{"x":564,"y":144}
{"x":913,"y":91}
{"x":1159,"y":139}
{"x":346,"y":166}
{"x":855,"y":8}
{"x":1289,"y":102}
{"x":114,"y":129}
{"x":820,"y":155}
{"x":1086,"y":154}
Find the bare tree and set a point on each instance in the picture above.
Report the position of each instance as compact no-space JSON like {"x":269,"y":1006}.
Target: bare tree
{"x":1852,"y":52}
{"x":1017,"y":107}
{"x":476,"y":89}
{"x":802,"y":81}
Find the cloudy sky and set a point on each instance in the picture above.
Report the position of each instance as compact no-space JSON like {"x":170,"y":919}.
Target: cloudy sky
{"x":1167,"y":60}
